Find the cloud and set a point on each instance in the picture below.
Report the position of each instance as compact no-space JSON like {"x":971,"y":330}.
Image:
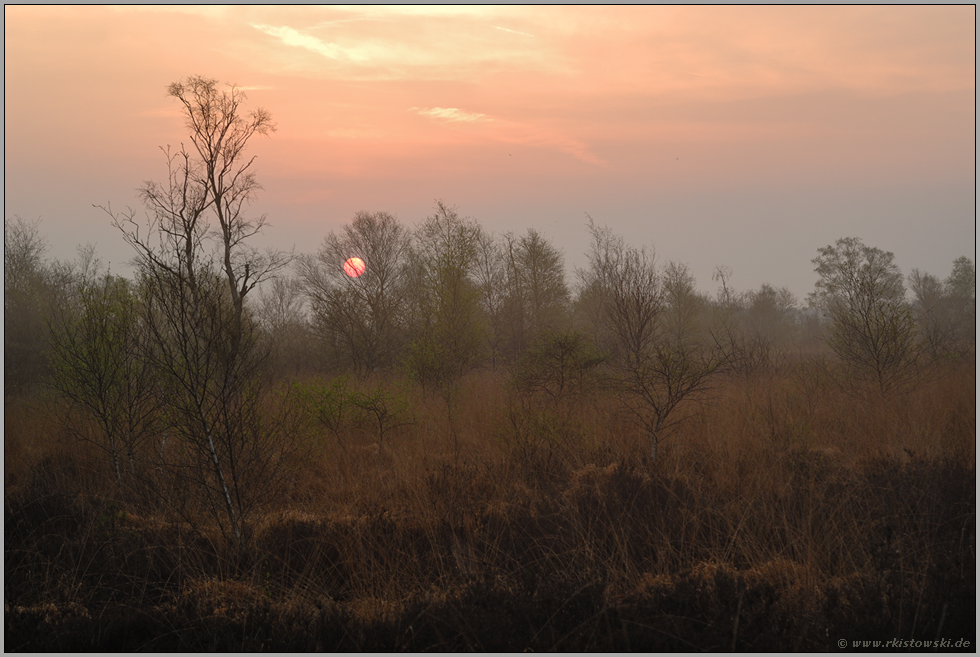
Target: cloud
{"x":512,"y":31}
{"x":513,"y":132}
{"x":451,"y":114}
{"x":295,"y":38}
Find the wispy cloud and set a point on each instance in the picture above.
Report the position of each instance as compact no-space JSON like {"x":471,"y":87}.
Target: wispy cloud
{"x":292,"y":37}
{"x":506,"y":29}
{"x":513,"y":132}
{"x":451,"y":114}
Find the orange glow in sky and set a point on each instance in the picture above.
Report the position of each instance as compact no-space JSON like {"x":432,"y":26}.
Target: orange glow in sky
{"x":744,"y":136}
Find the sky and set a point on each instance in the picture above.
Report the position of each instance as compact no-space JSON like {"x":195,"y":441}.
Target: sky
{"x":747,"y":137}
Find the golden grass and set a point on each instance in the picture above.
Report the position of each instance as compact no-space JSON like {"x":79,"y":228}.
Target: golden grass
{"x":784,"y":499}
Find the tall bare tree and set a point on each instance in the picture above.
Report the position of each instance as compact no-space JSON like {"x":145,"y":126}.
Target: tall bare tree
{"x":195,"y":271}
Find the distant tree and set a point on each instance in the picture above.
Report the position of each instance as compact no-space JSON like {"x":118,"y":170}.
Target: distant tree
{"x":97,"y":341}
{"x":756,"y":324}
{"x":537,"y":296}
{"x":447,"y":328}
{"x":363,"y":314}
{"x":945,"y":311}
{"x":286,"y":330}
{"x":872,"y":328}
{"x":490,"y":276}
{"x":961,"y":288}
{"x":27,"y":288}
{"x":663,"y":351}
{"x":771,"y":312}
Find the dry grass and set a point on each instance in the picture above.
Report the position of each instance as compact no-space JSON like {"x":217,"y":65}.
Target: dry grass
{"x":784,"y":514}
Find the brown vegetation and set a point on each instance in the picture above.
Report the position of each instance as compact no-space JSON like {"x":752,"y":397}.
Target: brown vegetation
{"x":786,"y":516}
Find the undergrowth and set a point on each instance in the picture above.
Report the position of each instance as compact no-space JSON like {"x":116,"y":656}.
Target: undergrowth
{"x":785,"y":514}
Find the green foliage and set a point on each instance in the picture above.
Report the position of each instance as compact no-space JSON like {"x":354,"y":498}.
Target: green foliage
{"x":341,"y":408}
{"x":98,"y":365}
{"x":447,"y":324}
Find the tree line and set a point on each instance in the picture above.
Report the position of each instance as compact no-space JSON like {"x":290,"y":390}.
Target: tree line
{"x":179,"y":370}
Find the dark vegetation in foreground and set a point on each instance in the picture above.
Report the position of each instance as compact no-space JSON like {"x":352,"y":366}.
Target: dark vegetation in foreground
{"x":786,"y":517}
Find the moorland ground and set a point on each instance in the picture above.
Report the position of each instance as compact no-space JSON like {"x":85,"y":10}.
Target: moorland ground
{"x":786,"y":513}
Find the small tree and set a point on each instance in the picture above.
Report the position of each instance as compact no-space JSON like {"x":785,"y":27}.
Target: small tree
{"x":559,"y":364}
{"x":97,"y":365}
{"x":663,"y":354}
{"x":872,"y":328}
{"x":386,"y":408}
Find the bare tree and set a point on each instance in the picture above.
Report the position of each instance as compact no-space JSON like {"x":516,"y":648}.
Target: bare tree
{"x":872,"y":327}
{"x":663,"y":355}
{"x":363,"y":313}
{"x":220,"y":131}
{"x":195,"y":277}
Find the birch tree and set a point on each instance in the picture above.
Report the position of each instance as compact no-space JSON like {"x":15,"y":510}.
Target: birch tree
{"x":195,"y":269}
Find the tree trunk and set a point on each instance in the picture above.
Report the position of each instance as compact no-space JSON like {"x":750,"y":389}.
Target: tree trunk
{"x":229,"y":506}
{"x":115,"y":459}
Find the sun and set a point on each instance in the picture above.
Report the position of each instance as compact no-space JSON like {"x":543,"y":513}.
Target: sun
{"x":354,"y":267}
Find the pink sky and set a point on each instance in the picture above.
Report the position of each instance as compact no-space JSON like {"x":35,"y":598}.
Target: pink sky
{"x":747,"y":137}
